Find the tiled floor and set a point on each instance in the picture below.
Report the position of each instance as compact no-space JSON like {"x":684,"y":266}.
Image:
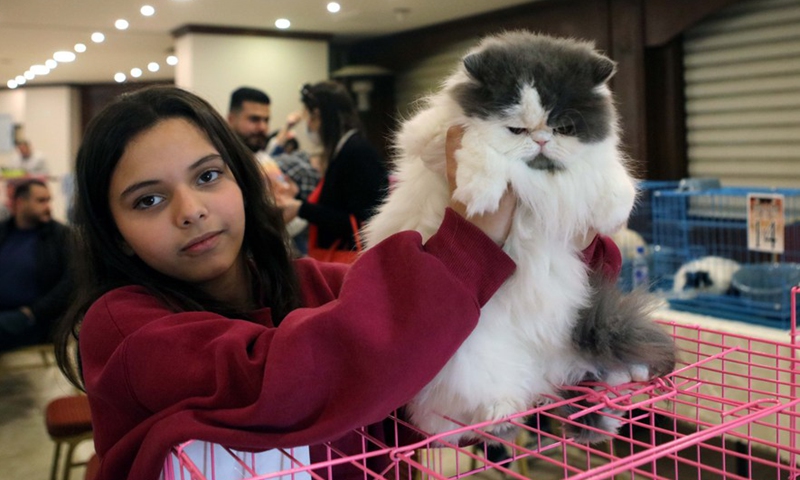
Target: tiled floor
{"x":26,"y":386}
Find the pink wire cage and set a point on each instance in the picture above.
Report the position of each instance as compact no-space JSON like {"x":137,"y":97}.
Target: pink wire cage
{"x":728,"y":411}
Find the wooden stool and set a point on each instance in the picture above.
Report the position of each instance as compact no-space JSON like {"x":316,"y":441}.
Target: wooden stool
{"x":69,"y":422}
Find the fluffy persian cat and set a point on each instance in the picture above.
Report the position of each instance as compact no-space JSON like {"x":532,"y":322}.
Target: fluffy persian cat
{"x":538,"y":116}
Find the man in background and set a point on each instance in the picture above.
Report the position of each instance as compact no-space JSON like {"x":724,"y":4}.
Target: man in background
{"x":248,"y":116}
{"x":35,"y":283}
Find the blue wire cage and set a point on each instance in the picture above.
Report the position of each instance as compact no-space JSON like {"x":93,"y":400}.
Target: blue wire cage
{"x":702,"y":262}
{"x":640,"y":222}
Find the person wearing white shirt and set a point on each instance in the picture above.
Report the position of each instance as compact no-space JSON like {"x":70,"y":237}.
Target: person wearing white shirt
{"x":29,"y":161}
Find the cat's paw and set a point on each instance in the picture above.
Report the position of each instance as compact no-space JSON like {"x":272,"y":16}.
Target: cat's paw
{"x":613,"y":210}
{"x":634,"y":373}
{"x":497,"y":412}
{"x":594,"y":427}
{"x":480,"y":177}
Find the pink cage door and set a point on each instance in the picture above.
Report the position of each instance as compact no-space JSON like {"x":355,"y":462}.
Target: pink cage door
{"x":728,"y":411}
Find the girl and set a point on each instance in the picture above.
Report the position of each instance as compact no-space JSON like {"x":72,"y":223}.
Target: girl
{"x":354,"y":177}
{"x":190,"y":319}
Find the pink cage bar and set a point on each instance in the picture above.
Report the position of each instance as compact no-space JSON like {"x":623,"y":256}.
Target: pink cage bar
{"x":728,"y":411}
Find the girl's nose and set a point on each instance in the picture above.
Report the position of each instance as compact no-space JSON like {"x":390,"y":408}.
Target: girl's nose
{"x":189,"y":208}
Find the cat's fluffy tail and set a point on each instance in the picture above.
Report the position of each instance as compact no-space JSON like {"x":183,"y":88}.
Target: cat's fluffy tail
{"x":615,"y":335}
{"x":615,"y":332}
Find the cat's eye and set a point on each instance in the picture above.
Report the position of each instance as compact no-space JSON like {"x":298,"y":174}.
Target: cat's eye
{"x":517,"y":131}
{"x":567,"y":129}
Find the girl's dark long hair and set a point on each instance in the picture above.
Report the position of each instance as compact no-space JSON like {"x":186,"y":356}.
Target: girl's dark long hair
{"x":100,"y":263}
{"x":337,"y":112}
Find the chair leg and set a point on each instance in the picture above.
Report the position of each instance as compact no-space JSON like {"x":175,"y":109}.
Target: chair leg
{"x":69,"y":462}
{"x":56,"y":454}
{"x":521,"y":441}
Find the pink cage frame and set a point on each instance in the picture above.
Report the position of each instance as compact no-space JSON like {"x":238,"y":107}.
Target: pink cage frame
{"x":728,"y":411}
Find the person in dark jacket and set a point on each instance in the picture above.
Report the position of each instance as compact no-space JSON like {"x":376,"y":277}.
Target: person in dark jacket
{"x":354,"y":175}
{"x":34,"y":278}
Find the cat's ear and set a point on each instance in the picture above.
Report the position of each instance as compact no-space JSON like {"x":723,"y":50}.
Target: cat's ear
{"x":473,"y":64}
{"x":603,"y":69}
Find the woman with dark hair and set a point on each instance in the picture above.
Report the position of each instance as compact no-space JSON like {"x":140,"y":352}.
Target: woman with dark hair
{"x":188,"y":321}
{"x":355,"y":178}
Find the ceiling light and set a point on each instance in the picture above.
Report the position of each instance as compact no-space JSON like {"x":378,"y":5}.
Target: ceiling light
{"x":148,"y":11}
{"x":64,"y":56}
{"x":283,"y":23}
{"x":121,"y":24}
{"x":29,"y":75}
{"x":334,"y":7}
{"x":153,"y":66}
{"x":20,"y":80}
{"x":40,"y":70}
{"x":119,"y":77}
{"x":98,"y":37}
{"x":136,"y":72}
{"x":80,"y":48}
{"x":12,"y":84}
{"x":172,"y":60}
{"x":50,"y":63}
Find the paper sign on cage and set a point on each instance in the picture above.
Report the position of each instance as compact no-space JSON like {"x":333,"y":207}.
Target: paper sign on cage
{"x":765,"y":222}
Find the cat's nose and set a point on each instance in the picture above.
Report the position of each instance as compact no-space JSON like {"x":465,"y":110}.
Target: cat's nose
{"x":541,"y":137}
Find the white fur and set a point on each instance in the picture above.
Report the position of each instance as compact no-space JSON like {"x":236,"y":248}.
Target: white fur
{"x":521,"y":348}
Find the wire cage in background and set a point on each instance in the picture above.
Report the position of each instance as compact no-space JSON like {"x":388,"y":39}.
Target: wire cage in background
{"x":727,"y":252}
{"x":639,"y":231}
{"x":729,"y":411}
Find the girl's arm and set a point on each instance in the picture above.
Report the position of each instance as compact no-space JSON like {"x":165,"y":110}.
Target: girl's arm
{"x":402,"y":311}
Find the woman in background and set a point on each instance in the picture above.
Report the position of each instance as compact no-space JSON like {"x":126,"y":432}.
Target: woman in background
{"x":354,"y":180}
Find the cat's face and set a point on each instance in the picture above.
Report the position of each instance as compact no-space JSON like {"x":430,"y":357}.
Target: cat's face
{"x":542,"y":100}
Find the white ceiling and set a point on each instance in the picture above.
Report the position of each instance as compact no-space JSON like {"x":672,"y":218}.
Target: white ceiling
{"x":31,"y":31}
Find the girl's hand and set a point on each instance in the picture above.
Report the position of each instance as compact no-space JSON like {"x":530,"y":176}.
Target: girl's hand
{"x":497,"y":224}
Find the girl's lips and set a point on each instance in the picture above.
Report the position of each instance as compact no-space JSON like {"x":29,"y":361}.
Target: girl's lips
{"x":202,"y":243}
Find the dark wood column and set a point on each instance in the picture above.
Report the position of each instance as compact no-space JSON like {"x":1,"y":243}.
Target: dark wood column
{"x":626,"y":32}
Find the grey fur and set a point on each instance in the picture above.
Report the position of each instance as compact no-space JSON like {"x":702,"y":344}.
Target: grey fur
{"x":565,"y":73}
{"x":613,"y":333}
{"x":541,"y":162}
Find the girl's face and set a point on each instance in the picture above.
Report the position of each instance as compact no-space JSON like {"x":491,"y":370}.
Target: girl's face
{"x":179,"y":208}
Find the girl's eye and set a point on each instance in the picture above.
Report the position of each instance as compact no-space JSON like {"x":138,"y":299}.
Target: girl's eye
{"x":517,"y":131}
{"x":148,"y":201}
{"x":566,"y":129}
{"x":209,"y":176}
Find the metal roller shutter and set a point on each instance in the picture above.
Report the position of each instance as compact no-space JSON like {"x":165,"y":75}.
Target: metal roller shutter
{"x":742,"y":72}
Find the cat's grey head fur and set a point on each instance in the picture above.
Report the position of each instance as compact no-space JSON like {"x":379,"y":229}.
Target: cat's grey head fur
{"x":565,"y":73}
